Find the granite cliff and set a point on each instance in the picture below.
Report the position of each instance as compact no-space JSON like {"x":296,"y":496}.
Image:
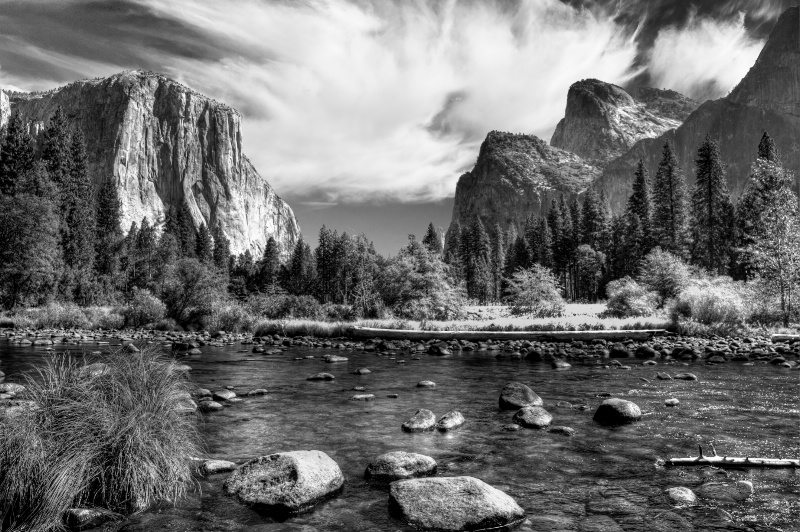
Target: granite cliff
{"x":162,"y":143}
{"x":766,"y":99}
{"x":517,"y":175}
{"x":602,"y":121}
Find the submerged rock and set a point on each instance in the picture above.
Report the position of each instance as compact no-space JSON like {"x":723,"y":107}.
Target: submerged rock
{"x":681,"y":495}
{"x":453,"y":504}
{"x":83,"y":518}
{"x":286,"y":483}
{"x":686,"y":377}
{"x":516,"y":395}
{"x":212,"y":467}
{"x":421,"y":421}
{"x":725,"y":491}
{"x":400,"y":465}
{"x":223,"y":395}
{"x":612,"y":412}
{"x":533,"y":417}
{"x":321,"y":377}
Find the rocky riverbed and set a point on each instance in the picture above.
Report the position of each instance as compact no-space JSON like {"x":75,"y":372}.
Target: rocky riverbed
{"x":573,"y":472}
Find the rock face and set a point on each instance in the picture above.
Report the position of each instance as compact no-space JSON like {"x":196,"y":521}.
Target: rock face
{"x":5,"y":109}
{"x":515,"y":176}
{"x":286,"y":483}
{"x":602,"y":121}
{"x":450,"y":504}
{"x":160,"y":143}
{"x":767,"y":99}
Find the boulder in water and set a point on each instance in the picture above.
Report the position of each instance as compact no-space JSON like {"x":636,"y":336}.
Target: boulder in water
{"x":423,"y":420}
{"x":614,"y":411}
{"x":321,"y":377}
{"x":286,"y":483}
{"x":212,"y":467}
{"x":453,"y":504}
{"x":533,"y":417}
{"x":681,"y":495}
{"x":399,"y":465}
{"x":726,"y":491}
{"x":450,"y":421}
{"x":516,"y":395}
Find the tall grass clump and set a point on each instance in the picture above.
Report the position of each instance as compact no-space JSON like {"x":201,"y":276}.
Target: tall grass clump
{"x":112,"y":435}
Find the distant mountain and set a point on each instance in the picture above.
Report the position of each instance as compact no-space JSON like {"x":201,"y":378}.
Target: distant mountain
{"x":516,"y":175}
{"x":161,"y":143}
{"x":602,"y":121}
{"x":767,"y":99}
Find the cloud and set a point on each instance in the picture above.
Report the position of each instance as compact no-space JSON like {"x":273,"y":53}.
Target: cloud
{"x":704,"y":58}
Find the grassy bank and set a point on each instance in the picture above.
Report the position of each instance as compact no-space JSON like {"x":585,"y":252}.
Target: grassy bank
{"x":111,"y":435}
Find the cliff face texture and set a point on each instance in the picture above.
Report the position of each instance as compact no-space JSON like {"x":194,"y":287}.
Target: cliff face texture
{"x":517,"y":175}
{"x":5,"y":109}
{"x":161,"y":142}
{"x":767,"y":99}
{"x":602,"y":121}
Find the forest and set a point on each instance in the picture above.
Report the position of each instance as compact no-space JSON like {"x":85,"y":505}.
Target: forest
{"x":692,"y":253}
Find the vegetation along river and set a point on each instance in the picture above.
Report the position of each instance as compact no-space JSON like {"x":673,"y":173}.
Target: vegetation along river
{"x":600,"y":479}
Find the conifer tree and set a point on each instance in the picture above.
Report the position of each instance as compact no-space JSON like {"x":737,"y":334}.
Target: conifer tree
{"x":518,"y":256}
{"x":300,"y":269}
{"x":712,"y":211}
{"x":639,"y":203}
{"x":203,"y":245}
{"x":497,"y":263}
{"x":432,"y":240}
{"x":79,"y":230}
{"x":544,"y":252}
{"x":145,"y":254}
{"x":577,"y":222}
{"x":16,"y":155}
{"x":670,"y":221}
{"x":767,"y":149}
{"x":269,"y":267}
{"x":451,"y":252}
{"x":56,"y":149}
{"x":222,"y":248}
{"x":108,"y":230}
{"x":187,"y":234}
{"x":533,"y":239}
{"x":171,"y":222}
{"x":592,"y":220}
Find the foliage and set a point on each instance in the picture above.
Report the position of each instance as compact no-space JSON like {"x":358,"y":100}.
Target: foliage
{"x":664,"y":274}
{"x":639,"y":202}
{"x":534,"y":291}
{"x":16,"y":155}
{"x":670,"y":220}
{"x":710,"y":302}
{"x":144,"y":308}
{"x":114,"y":438}
{"x":627,"y":298}
{"x":190,"y":291}
{"x":229,"y":316}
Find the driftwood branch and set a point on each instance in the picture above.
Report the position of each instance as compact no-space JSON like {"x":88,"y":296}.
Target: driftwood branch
{"x":732,"y":461}
{"x":399,"y":334}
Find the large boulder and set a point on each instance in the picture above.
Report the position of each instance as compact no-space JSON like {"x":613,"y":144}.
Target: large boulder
{"x":533,"y":417}
{"x":399,"y":465}
{"x":516,"y":395}
{"x":286,"y":483}
{"x":451,"y":504}
{"x":612,"y":412}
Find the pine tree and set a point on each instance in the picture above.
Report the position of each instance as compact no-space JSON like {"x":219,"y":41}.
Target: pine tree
{"x":451,"y":252}
{"x":767,"y":149}
{"x":639,"y":203}
{"x":301,"y":272}
{"x":56,"y":149}
{"x":222,"y":248}
{"x":544,"y":253}
{"x":171,"y":223}
{"x":533,"y":239}
{"x":187,"y":234}
{"x":108,"y":230}
{"x":79,"y":232}
{"x":269,"y":267}
{"x":145,"y":254}
{"x":518,"y":256}
{"x":712,"y":211}
{"x":670,"y":221}
{"x":593,"y":221}
{"x":497,"y":263}
{"x":16,"y":155}
{"x":203,"y":245}
{"x":432,"y":240}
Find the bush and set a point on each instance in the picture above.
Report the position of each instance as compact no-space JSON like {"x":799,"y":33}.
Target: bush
{"x":191,"y":290}
{"x":333,"y":312}
{"x":117,"y":439}
{"x":280,"y":305}
{"x":144,"y":308}
{"x":229,"y":317}
{"x":711,"y":302}
{"x":628,"y":299}
{"x":664,"y":274}
{"x":534,"y":291}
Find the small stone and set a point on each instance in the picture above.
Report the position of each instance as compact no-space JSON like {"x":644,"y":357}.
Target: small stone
{"x":686,"y":377}
{"x":362,"y":371}
{"x":212,"y":467}
{"x":671,"y":402}
{"x":682,"y":496}
{"x":258,"y":391}
{"x":363,"y":397}
{"x":426,"y":384}
{"x":209,"y":406}
{"x":321,"y":377}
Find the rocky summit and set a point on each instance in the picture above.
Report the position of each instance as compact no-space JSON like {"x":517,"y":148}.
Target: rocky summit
{"x":602,"y":121}
{"x":766,"y":99}
{"x":163,"y":143}
{"x":515,"y":176}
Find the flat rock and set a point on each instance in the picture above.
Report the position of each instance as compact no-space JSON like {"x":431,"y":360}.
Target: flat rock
{"x":453,"y":504}
{"x":223,"y":395}
{"x":726,"y":491}
{"x":286,"y":483}
{"x":426,"y":384}
{"x":533,"y":417}
{"x":516,"y":395}
{"x":614,"y":411}
{"x":321,"y":377}
{"x":421,"y":421}
{"x":399,"y":465}
{"x":686,"y":377}
{"x":363,"y":397}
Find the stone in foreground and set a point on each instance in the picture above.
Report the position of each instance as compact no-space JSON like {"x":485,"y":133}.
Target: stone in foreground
{"x":212,"y":467}
{"x":423,"y":420}
{"x":453,"y":504}
{"x":614,"y":412}
{"x":725,"y":491}
{"x":399,"y":465}
{"x":516,"y":395}
{"x":533,"y":417}
{"x":682,"y":496}
{"x":286,"y":483}
{"x":451,"y":420}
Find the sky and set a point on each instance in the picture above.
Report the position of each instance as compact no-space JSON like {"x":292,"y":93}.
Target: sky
{"x":362,"y":114}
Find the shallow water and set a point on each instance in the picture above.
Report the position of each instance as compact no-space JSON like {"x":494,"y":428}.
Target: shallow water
{"x":599,"y":480}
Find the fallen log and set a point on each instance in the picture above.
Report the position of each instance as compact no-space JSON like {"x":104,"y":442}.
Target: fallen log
{"x":732,"y":461}
{"x":784,"y":337}
{"x":558,"y":336}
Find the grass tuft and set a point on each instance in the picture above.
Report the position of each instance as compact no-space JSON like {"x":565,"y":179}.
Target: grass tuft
{"x":116,"y":439}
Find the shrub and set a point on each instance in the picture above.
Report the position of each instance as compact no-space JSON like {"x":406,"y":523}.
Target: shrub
{"x":104,"y":318}
{"x":628,"y":299}
{"x":142,"y":309}
{"x":229,"y":317}
{"x":116,"y":439}
{"x":333,"y":312}
{"x":664,"y":274}
{"x":280,"y":305}
{"x":190,"y":291}
{"x":534,"y":291}
{"x":711,"y":302}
